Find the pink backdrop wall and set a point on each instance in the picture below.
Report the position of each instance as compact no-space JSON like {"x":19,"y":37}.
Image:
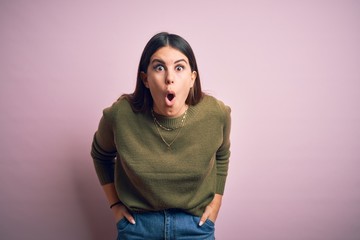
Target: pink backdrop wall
{"x":290,"y":70}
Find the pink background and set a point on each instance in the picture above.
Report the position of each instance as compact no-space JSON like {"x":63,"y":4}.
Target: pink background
{"x":290,"y":70}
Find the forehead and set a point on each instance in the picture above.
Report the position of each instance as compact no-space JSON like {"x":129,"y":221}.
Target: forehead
{"x":168,"y":54}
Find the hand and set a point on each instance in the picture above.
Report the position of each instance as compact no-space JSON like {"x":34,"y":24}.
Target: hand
{"x":120,"y":211}
{"x":212,"y":210}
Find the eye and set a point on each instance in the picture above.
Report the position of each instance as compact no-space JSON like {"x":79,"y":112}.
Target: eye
{"x":179,"y":68}
{"x":159,"y":68}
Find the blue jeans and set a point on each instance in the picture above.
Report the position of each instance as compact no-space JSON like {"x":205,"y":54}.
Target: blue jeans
{"x":165,"y":225}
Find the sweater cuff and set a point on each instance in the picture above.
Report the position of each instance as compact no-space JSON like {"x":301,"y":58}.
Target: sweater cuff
{"x":220,"y":184}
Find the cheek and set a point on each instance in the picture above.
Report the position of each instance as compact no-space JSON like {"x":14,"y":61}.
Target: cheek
{"x":156,"y":85}
{"x":152,"y":81}
{"x":157,"y":77}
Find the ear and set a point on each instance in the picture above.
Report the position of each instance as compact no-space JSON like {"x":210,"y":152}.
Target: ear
{"x":143,"y":77}
{"x":193,"y":78}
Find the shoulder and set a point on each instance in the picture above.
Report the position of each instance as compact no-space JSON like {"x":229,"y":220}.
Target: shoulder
{"x":215,"y":104}
{"x":118,"y":108}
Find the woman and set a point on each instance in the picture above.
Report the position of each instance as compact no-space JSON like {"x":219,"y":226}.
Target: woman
{"x":161,"y":153}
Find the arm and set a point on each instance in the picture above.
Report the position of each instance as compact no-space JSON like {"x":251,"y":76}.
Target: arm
{"x":222,"y":161}
{"x":103,"y":152}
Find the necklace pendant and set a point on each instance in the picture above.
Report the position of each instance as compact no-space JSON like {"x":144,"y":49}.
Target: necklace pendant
{"x":178,"y":129}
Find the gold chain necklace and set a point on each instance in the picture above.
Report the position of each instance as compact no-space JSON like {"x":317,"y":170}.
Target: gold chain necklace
{"x":163,"y":127}
{"x":157,"y":125}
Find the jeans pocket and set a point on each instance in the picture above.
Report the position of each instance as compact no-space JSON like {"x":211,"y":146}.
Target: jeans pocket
{"x":208,"y":226}
{"x":122,"y":224}
{"x":210,"y":223}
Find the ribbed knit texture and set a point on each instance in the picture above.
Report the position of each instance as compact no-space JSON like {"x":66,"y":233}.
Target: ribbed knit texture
{"x":128,"y":150}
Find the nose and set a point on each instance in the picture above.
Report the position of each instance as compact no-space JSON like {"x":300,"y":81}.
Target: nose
{"x":169,"y":79}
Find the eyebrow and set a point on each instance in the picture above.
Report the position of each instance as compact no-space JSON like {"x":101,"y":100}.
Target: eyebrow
{"x":161,"y":61}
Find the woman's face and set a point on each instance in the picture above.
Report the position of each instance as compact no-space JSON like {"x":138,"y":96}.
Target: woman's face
{"x":169,"y":79}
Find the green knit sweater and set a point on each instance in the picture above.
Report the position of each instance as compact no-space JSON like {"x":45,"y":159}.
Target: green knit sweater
{"x":128,"y":150}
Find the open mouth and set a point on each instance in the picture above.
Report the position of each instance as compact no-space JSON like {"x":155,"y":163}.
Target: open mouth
{"x":170,"y":96}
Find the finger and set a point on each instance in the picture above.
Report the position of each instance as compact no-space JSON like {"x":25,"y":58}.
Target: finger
{"x":205,"y":215}
{"x":129,"y":217}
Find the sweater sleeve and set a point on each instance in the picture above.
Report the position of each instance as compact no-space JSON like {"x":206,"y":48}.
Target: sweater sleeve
{"x":223,"y":153}
{"x":103,"y":150}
